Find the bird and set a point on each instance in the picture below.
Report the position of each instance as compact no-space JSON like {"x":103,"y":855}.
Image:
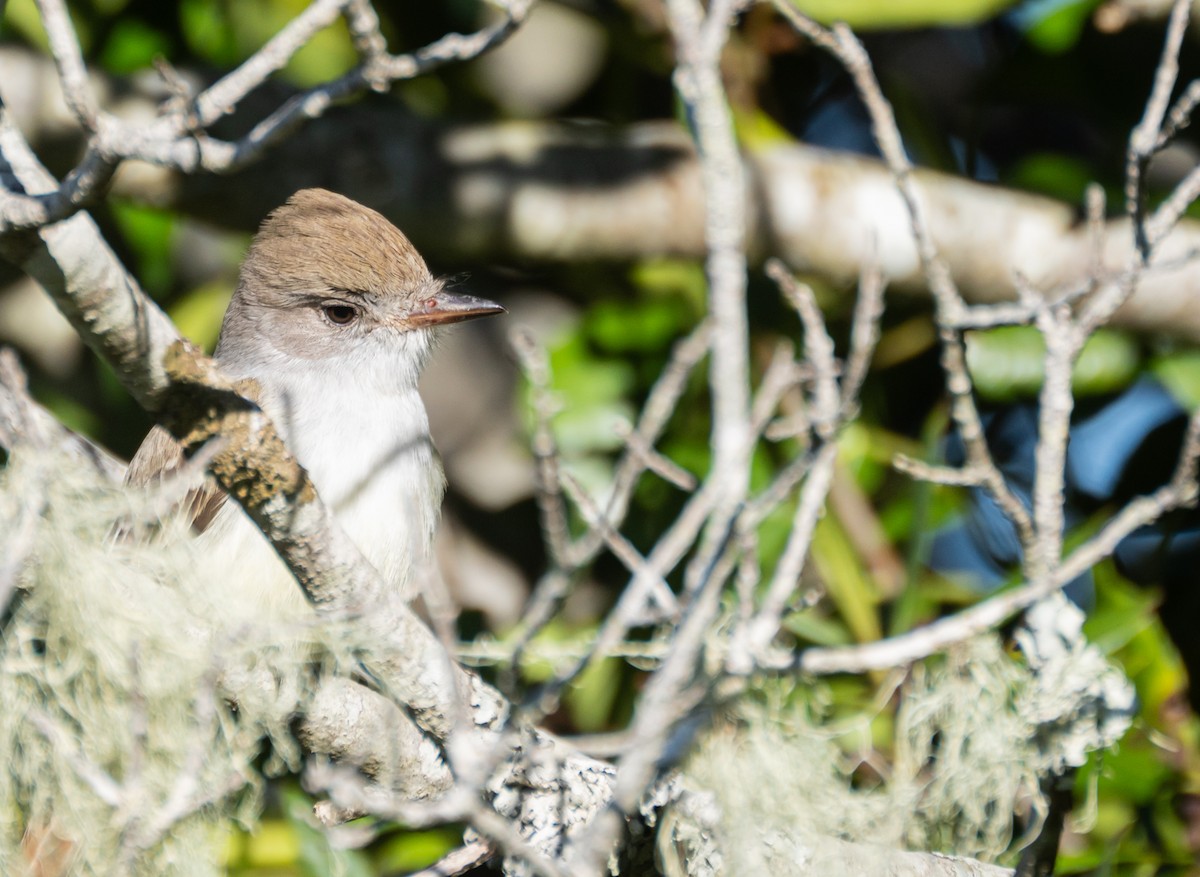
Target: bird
{"x":333,"y":318}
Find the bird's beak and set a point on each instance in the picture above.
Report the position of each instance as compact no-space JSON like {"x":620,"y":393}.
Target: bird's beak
{"x":448,"y":307}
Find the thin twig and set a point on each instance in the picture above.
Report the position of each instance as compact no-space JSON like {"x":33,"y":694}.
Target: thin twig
{"x":68,"y":59}
{"x":660,"y":405}
{"x":178,"y":140}
{"x":466,"y":858}
{"x":813,"y":494}
{"x":864,"y":336}
{"x":818,"y":347}
{"x":934,"y":474}
{"x":536,"y":367}
{"x":657,"y":594}
{"x":950,"y":306}
{"x":1144,"y":139}
{"x":699,"y":39}
{"x":901,"y":650}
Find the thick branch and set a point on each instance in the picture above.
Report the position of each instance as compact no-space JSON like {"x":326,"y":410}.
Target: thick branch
{"x":561,"y":192}
{"x":555,"y":193}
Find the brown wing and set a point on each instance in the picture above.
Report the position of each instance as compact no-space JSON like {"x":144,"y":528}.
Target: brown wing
{"x":159,"y":455}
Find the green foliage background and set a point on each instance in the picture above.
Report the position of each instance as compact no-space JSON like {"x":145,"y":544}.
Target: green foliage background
{"x":1139,"y":801}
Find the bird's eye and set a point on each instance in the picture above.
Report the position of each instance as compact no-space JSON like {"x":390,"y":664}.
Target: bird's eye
{"x":341,"y":315}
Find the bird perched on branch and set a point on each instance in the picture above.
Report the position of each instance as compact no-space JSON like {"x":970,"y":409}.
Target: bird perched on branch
{"x":333,"y":319}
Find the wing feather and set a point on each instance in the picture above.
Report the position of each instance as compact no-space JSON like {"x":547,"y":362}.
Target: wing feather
{"x":160,"y":455}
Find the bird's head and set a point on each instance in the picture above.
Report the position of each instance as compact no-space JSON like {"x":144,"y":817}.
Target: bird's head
{"x":327,"y":279}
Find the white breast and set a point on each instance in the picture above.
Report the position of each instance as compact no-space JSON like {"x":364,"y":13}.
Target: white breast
{"x":366,"y":446}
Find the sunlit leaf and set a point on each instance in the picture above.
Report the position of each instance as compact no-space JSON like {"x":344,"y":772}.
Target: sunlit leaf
{"x":757,"y":130}
{"x":23,"y":17}
{"x":644,"y":326}
{"x":868,"y":14}
{"x":1179,"y":372}
{"x":1054,"y":26}
{"x":1008,"y":363}
{"x":274,"y":843}
{"x":413,"y":850}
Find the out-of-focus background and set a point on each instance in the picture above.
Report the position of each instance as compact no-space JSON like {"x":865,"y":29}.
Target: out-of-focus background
{"x":1035,"y":96}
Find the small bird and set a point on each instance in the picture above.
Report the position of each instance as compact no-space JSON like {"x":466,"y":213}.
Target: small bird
{"x":333,"y":317}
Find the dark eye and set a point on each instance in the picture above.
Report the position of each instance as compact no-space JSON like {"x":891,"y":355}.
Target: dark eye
{"x":341,"y":315}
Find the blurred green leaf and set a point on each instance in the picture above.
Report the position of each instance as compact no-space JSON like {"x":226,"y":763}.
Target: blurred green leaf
{"x":845,"y":580}
{"x":273,"y":843}
{"x":814,"y":628}
{"x":592,"y":427}
{"x":148,"y":233}
{"x":869,"y":14}
{"x":594,"y":395}
{"x":1179,"y":372}
{"x":1122,"y":612}
{"x":575,"y":638}
{"x":672,"y":277}
{"x":867,"y":453}
{"x":69,"y":412}
{"x":23,"y":17}
{"x":113,"y":391}
{"x":1007,"y":363}
{"x":426,"y":96}
{"x":1108,"y":362}
{"x":198,"y":313}
{"x":414,"y":850}
{"x":773,"y":535}
{"x":591,"y":698}
{"x":1059,"y":176}
{"x":637,"y":326}
{"x":227,"y":33}
{"x":1054,"y":26}
{"x":109,"y":7}
{"x":207,"y":31}
{"x":133,"y":45}
{"x":691,"y":452}
{"x":1133,"y":771}
{"x":757,"y":130}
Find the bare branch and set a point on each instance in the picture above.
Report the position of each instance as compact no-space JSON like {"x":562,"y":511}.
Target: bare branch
{"x":1055,"y":404}
{"x":818,"y":347}
{"x":651,"y":460}
{"x":698,"y":43}
{"x":938,"y":635}
{"x":787,"y":570}
{"x":657,"y":594}
{"x":466,"y":858}
{"x":177,"y":140}
{"x":536,"y":367}
{"x":660,"y":405}
{"x":1144,"y":139}
{"x":69,"y":60}
{"x":864,"y":335}
{"x":849,"y":51}
{"x":950,"y":476}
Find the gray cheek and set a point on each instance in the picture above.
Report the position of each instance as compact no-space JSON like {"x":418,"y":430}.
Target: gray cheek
{"x":302,"y":334}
